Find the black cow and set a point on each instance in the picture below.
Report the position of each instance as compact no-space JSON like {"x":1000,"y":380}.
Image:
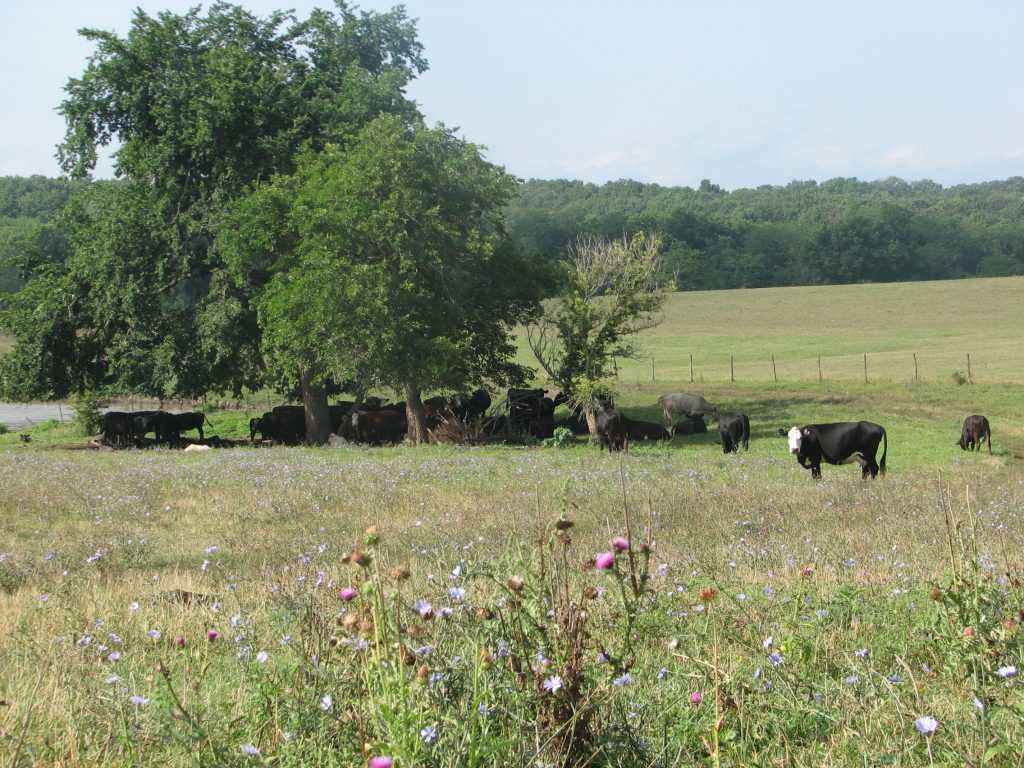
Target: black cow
{"x":694,"y":425}
{"x":284,"y":426}
{"x":144,"y":422}
{"x":646,"y":430}
{"x":841,"y":443}
{"x":611,"y":430}
{"x":976,"y":431}
{"x":524,"y":405}
{"x":173,"y":424}
{"x":734,"y":429}
{"x":117,"y":427}
{"x":470,"y":407}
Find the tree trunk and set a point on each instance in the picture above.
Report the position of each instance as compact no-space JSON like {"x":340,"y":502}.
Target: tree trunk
{"x":318,"y":415}
{"x":416,"y":414}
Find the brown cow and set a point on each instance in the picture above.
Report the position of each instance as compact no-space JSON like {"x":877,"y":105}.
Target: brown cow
{"x":976,"y":431}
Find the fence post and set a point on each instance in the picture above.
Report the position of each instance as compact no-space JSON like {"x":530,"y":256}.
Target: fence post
{"x":652,"y":368}
{"x":915,"y":368}
{"x":775,"y":375}
{"x":732,"y":373}
{"x":865,"y":369}
{"x":691,"y":369}
{"x":969,"y":368}
{"x":819,"y":369}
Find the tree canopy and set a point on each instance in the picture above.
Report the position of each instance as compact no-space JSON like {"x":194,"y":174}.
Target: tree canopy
{"x":386,"y":264}
{"x":200,"y":107}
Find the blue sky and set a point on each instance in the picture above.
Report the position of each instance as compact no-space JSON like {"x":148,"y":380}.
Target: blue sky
{"x":743,"y":93}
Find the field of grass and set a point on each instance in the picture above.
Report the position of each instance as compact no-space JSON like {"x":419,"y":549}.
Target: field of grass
{"x":942,"y":322}
{"x":162,"y":608}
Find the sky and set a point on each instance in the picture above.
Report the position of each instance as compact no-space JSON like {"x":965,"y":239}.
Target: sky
{"x":741,"y":92}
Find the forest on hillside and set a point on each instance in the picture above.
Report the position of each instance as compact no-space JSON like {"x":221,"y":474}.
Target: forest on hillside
{"x":803,"y":233}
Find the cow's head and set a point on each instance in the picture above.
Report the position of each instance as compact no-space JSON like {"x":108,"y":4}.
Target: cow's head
{"x":796,"y":437}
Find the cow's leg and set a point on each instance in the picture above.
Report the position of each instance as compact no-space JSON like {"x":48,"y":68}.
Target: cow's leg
{"x":815,"y":470}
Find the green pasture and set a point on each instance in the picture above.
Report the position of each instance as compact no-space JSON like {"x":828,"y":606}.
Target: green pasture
{"x":758,"y":617}
{"x":940,"y":322}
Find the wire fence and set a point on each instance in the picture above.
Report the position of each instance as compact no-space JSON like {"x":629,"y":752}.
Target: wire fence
{"x":866,"y":368}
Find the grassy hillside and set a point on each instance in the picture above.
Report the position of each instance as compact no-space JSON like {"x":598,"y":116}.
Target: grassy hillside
{"x":941,"y":322}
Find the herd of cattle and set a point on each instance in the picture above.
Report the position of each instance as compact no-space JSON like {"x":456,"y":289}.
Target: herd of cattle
{"x":531,"y":412}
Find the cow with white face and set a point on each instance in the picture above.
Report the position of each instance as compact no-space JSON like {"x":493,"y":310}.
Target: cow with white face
{"x":840,"y":443}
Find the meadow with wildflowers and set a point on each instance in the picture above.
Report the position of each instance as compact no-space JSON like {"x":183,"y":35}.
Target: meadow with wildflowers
{"x":544,"y":605}
{"x":519,"y":605}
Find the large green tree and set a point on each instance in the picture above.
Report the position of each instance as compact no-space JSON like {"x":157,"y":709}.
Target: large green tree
{"x":385,"y":263}
{"x":199,"y":107}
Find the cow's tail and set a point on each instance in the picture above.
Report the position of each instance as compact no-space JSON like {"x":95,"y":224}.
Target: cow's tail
{"x":885,"y":448}
{"x":207,"y":420}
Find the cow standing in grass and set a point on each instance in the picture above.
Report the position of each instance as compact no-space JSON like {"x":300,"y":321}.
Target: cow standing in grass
{"x":976,"y":431}
{"x":734,"y":429}
{"x":842,"y":443}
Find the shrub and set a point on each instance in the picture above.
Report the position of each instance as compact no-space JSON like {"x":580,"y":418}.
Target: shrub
{"x":959,"y":378}
{"x":88,"y":407}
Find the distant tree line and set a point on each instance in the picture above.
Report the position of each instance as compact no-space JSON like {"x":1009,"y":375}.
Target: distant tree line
{"x":804,"y":233}
{"x":29,"y":224}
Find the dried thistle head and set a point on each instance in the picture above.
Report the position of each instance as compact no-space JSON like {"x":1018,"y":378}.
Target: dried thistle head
{"x":708,"y":594}
{"x":563,"y":524}
{"x":399,"y":573}
{"x":484,"y":614}
{"x":516,"y":584}
{"x":360,"y":558}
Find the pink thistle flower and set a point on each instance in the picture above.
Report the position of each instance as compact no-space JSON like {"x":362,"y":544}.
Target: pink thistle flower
{"x":179,"y":641}
{"x":347,"y":593}
{"x":696,"y":698}
{"x":604,"y":560}
{"x":211,"y":634}
{"x":620,"y":543}
{"x":381,"y":762}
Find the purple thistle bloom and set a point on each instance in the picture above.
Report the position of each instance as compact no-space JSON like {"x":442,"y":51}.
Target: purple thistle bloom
{"x":423,"y":607}
{"x":625,"y":679}
{"x":776,"y":659}
{"x":894,"y":678}
{"x":250,"y":749}
{"x":604,"y":560}
{"x":862,"y":653}
{"x":851,"y":680}
{"x":1007,"y":671}
{"x":138,"y":701}
{"x":927,"y":725}
{"x":326,"y":702}
{"x":428,"y":734}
